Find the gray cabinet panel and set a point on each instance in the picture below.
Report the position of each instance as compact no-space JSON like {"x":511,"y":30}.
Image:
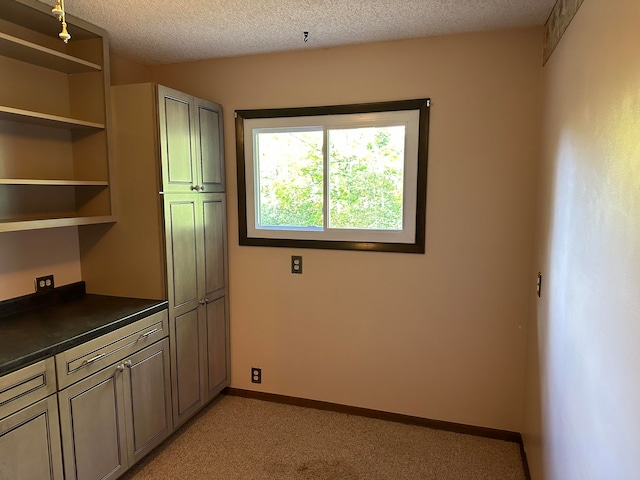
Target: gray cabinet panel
{"x":147,"y":399}
{"x":182,"y":250}
{"x":186,"y":350}
{"x":27,"y":386}
{"x":217,"y":335}
{"x":91,"y":418}
{"x":30,"y":443}
{"x":214,"y":212}
{"x":176,"y":141}
{"x":210,"y":145}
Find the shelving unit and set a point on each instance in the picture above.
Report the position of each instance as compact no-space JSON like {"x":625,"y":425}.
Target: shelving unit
{"x":52,"y":182}
{"x":39,"y":118}
{"x":40,"y":223}
{"x":54,"y":121}
{"x":42,"y":56}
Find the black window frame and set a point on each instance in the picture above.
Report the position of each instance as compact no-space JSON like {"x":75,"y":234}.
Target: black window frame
{"x":418,"y":246}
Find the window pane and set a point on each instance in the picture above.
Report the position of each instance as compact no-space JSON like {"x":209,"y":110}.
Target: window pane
{"x":366,"y":174}
{"x":289,"y":177}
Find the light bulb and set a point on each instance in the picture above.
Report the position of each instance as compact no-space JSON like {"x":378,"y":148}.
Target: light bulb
{"x":57,"y":10}
{"x":64,"y":35}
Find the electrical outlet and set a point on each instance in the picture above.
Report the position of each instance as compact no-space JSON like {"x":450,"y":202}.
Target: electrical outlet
{"x":44,"y":284}
{"x":539,"y":284}
{"x":256,"y":375}
{"x":296,"y":264}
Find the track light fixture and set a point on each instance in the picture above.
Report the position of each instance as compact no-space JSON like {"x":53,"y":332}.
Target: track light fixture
{"x":58,"y":12}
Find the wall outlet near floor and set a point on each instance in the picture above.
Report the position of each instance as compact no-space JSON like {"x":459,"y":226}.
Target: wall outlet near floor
{"x":256,"y":375}
{"x":44,"y":284}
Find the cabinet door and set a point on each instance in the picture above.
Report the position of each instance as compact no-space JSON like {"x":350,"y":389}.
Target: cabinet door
{"x":177,"y":141}
{"x":218,"y":373}
{"x":216,"y":341}
{"x":183,"y":227}
{"x":209,"y":145}
{"x":30,"y":443}
{"x":92,"y":423}
{"x":215,"y":244}
{"x":185,"y":272}
{"x":186,"y":379}
{"x":147,"y":398}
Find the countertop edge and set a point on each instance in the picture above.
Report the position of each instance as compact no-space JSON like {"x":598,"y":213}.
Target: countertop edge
{"x":43,"y":354}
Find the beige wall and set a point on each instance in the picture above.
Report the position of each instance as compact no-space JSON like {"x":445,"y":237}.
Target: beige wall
{"x":439,"y":335}
{"x":583,"y":395}
{"x":27,"y":255}
{"x":124,"y":71}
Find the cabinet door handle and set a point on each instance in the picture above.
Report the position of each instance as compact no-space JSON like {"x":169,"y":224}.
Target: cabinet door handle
{"x":205,"y":301}
{"x":195,"y":187}
{"x":148,"y":334}
{"x":128,"y":364}
{"x":202,"y":189}
{"x":93,"y":359}
{"x":120,"y":368}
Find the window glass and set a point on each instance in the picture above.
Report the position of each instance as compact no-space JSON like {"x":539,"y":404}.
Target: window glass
{"x":289,"y":178}
{"x":366,"y":172}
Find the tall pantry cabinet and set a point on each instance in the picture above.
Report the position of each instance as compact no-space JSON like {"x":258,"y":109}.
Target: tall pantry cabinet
{"x":170,"y":238}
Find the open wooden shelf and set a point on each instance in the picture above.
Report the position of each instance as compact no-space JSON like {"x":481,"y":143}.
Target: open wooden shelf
{"x":62,"y":183}
{"x":35,"y":54}
{"x":15,"y":225}
{"x":39,"y":118}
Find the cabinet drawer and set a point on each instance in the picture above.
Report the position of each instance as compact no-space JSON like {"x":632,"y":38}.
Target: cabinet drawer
{"x":26,"y":386}
{"x":92,"y":356}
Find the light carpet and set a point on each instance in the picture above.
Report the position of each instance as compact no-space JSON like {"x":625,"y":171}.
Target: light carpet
{"x":247,"y":439}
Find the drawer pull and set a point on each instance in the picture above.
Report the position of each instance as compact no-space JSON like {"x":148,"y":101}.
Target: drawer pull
{"x":148,"y":334}
{"x":93,"y":359}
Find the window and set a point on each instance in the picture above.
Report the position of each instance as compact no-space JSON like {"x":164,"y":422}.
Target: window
{"x":347,"y":177}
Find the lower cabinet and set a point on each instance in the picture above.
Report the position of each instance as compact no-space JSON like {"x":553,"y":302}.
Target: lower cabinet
{"x":114,"y":417}
{"x":92,"y":421}
{"x":186,"y":365}
{"x":30,"y":443}
{"x":200,"y":357}
{"x":114,"y":395}
{"x":147,"y":400}
{"x":217,"y":348}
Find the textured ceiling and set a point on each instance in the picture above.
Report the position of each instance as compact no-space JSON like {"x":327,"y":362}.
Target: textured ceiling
{"x":154,"y":32}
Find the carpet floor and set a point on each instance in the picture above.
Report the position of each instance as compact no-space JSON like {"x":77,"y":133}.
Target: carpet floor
{"x":247,"y":439}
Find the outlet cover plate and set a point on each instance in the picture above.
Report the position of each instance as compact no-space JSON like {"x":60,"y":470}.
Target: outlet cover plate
{"x":296,"y":264}
{"x":44,"y":284}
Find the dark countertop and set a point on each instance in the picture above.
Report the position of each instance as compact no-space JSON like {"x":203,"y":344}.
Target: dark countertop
{"x":28,"y":335}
